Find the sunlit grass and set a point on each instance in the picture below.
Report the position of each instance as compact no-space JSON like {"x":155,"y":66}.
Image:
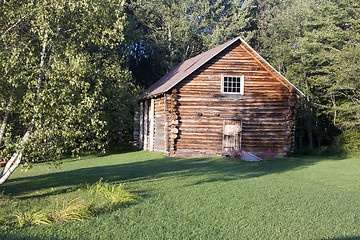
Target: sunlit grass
{"x":196,"y":198}
{"x":99,"y":197}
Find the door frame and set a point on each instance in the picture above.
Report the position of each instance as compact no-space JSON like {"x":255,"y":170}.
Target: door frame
{"x":232,"y":142}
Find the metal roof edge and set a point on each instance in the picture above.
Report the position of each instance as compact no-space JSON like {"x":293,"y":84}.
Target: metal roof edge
{"x":226,"y":44}
{"x":223,"y":48}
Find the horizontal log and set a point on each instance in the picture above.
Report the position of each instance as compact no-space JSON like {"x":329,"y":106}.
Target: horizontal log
{"x":265,"y":109}
{"x":248,"y":107}
{"x":226,"y":104}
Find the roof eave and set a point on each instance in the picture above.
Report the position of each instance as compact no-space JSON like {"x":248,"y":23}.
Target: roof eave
{"x":211,"y":57}
{"x":185,"y":76}
{"x":299,"y":93}
{"x":226,"y":45}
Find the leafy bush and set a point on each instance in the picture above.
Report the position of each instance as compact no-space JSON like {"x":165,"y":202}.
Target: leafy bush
{"x":348,"y":142}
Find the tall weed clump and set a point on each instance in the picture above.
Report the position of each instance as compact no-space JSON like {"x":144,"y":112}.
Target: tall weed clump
{"x":31,"y":217}
{"x":115,"y":193}
{"x":74,"y":209}
{"x":100,"y":196}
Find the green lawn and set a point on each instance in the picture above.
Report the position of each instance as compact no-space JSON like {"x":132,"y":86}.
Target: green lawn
{"x":196,"y":198}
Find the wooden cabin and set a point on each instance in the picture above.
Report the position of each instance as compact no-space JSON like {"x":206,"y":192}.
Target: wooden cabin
{"x":225,"y":100}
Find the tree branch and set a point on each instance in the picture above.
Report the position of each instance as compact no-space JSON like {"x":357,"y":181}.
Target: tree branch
{"x":9,"y":29}
{"x":15,"y":160}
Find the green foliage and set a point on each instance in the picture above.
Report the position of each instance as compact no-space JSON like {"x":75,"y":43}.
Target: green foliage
{"x":113,"y":192}
{"x":349,"y":142}
{"x":31,"y":217}
{"x":96,"y":199}
{"x":63,"y":74}
{"x":267,"y":155}
{"x":316,"y":45}
{"x":237,"y":156}
{"x":73,"y":210}
{"x":4,"y":199}
{"x":161,"y":34}
{"x":346,"y":87}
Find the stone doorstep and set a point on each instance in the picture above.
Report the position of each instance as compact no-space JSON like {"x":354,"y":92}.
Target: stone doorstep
{"x":250,"y":157}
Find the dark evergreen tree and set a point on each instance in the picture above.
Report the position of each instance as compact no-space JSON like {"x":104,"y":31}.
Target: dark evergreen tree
{"x":316,"y":44}
{"x":161,"y":34}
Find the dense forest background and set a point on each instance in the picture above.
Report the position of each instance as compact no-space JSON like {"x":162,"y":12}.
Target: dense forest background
{"x":314,"y":43}
{"x":71,"y":71}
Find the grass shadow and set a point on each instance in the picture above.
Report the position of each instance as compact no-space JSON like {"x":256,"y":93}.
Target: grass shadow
{"x":220,"y":169}
{"x":9,"y":236}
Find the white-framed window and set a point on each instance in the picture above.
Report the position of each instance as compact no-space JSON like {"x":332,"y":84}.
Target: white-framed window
{"x":232,"y":84}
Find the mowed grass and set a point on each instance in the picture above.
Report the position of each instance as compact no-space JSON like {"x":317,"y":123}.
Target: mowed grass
{"x":196,"y":198}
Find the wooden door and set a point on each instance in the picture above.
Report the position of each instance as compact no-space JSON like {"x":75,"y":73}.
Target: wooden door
{"x":232,"y":136}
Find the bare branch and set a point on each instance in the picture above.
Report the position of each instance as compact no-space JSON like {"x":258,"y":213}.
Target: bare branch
{"x":9,"y":29}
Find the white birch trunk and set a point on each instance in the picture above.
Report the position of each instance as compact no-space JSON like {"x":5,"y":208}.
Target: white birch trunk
{"x":6,"y":117}
{"x":15,"y":160}
{"x":141,"y":130}
{"x":152,"y":123}
{"x":146,"y":125}
{"x":10,"y":167}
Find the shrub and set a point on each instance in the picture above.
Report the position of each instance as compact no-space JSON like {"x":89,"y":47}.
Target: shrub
{"x":348,"y":142}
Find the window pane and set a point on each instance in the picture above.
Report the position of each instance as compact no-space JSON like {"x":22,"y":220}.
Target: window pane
{"x":225,"y":84}
{"x":232,"y":85}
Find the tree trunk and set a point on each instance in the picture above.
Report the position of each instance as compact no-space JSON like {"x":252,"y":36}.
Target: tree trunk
{"x":15,"y":160}
{"x":6,"y":117}
{"x":308,"y":122}
{"x":170,"y":45}
{"x":10,"y":166}
{"x":42,"y":63}
{"x":333,"y":100}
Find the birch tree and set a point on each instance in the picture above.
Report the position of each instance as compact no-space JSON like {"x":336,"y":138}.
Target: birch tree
{"x":57,"y":60}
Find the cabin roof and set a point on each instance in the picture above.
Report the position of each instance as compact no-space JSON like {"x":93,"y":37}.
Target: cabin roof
{"x":184,"y":69}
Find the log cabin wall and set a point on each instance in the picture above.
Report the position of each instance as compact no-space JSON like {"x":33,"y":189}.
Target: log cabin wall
{"x":151,"y":132}
{"x":160,"y":125}
{"x":136,"y":133}
{"x":265,"y":110}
